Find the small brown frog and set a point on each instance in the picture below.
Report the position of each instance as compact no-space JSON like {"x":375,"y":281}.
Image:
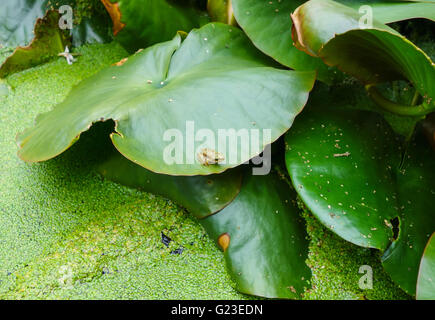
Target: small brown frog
{"x":209,"y":156}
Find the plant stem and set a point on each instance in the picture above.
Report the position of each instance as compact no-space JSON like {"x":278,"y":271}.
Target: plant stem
{"x":415,"y":98}
{"x":401,"y":110}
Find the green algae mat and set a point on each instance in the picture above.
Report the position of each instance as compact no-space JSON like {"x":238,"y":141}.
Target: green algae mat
{"x":214,"y":149}
{"x":67,"y":233}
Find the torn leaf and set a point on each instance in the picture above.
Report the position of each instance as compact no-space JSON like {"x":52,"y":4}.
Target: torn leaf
{"x":48,"y":42}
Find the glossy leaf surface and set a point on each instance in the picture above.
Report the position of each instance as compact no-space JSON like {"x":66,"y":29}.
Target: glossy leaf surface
{"x":331,"y":31}
{"x":342,"y":170}
{"x":139,"y":24}
{"x":416,"y":195}
{"x":268,"y":25}
{"x":426,"y":276}
{"x":200,"y":195}
{"x":263,"y":239}
{"x":214,"y":78}
{"x":347,"y":167}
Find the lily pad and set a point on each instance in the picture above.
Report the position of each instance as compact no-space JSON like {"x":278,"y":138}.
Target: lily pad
{"x":200,"y":195}
{"x":416,"y":195}
{"x":139,"y":24}
{"x":342,"y":169}
{"x":375,"y":54}
{"x":350,"y":170}
{"x":268,"y":25}
{"x":214,"y":79}
{"x":263,"y":239}
{"x":48,"y":42}
{"x":426,"y":276}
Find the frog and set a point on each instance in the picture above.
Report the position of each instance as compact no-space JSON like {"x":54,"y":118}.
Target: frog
{"x":207,"y":156}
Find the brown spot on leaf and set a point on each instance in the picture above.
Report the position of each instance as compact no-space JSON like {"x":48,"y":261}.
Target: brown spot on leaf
{"x":224,"y":241}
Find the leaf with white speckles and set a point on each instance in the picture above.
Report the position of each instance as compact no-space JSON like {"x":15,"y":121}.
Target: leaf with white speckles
{"x":341,"y":165}
{"x":346,"y":166}
{"x":416,"y":196}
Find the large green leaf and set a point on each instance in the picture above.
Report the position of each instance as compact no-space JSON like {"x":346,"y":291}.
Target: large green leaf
{"x":141,"y":23}
{"x":263,"y":239}
{"x":48,"y":42}
{"x":347,"y":167}
{"x":215,"y":78}
{"x":18,"y":17}
{"x":200,"y":195}
{"x":341,"y":168}
{"x":332,"y":31}
{"x":426,"y":276}
{"x":268,"y":25}
{"x":416,"y":195}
